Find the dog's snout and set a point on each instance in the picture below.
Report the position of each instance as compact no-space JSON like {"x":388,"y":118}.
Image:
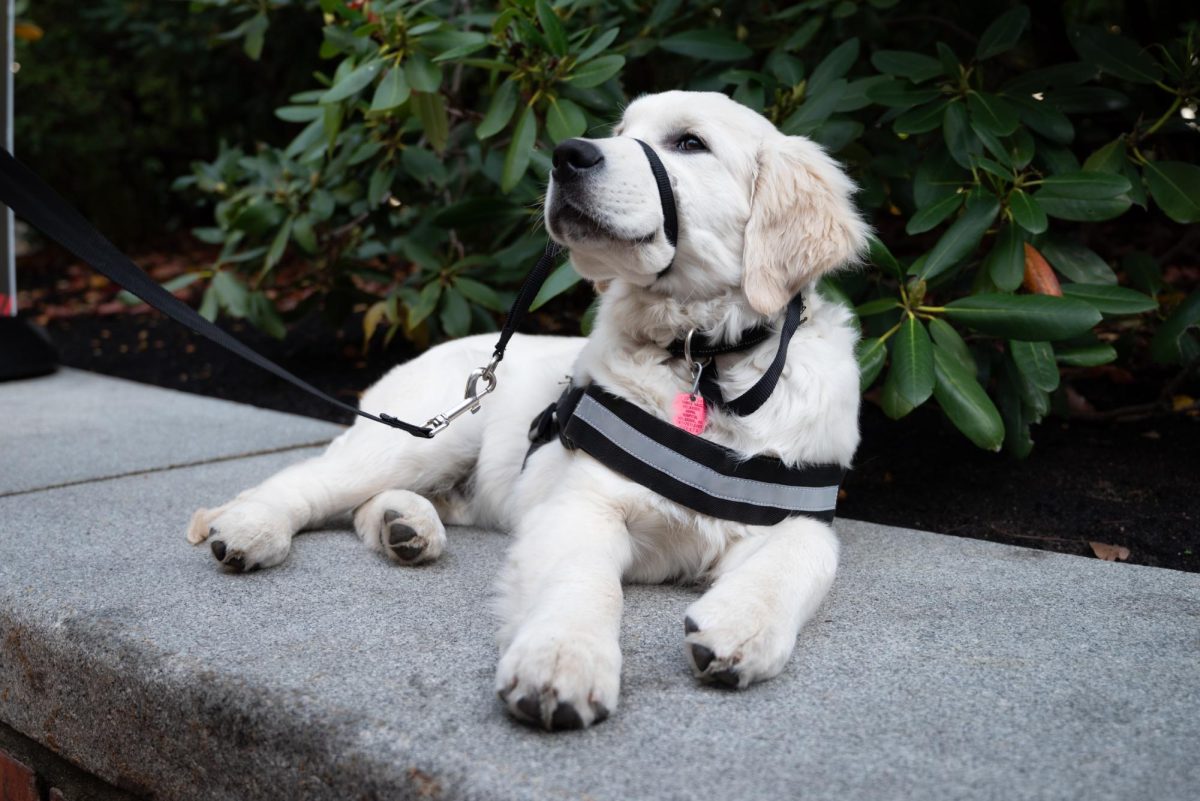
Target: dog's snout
{"x":574,"y":157}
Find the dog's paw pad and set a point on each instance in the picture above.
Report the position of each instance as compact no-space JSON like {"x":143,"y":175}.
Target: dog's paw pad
{"x":231,"y":558}
{"x":707,"y":666}
{"x":404,"y":543}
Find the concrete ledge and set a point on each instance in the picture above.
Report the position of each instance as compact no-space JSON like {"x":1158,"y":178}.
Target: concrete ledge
{"x":940,"y":668}
{"x":74,"y":426}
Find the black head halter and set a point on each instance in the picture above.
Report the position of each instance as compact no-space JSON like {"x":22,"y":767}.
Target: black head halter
{"x":666,"y":196}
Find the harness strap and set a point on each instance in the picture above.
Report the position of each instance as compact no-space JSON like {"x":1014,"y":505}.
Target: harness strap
{"x":684,"y":468}
{"x":752,"y":399}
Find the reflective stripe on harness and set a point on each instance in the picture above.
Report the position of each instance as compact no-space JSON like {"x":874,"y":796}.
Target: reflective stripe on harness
{"x":684,"y":468}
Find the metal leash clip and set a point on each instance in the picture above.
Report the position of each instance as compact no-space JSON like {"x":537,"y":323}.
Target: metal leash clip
{"x":471,"y":398}
{"x":696,"y":368}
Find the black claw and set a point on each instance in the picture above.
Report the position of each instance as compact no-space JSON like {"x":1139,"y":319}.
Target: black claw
{"x":565,"y":717}
{"x":408,"y":552}
{"x":399,"y":532}
{"x":237,"y":562}
{"x":701,"y":656}
{"x":213,"y":531}
{"x":728,"y":677}
{"x":218,"y":548}
{"x":601,"y":713}
{"x":390,"y":515}
{"x":530,"y":708}
{"x":689,"y":626}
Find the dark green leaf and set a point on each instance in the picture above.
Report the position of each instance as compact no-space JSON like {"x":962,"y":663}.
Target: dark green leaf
{"x":1167,"y":345}
{"x":596,"y":71}
{"x":1076,"y":261}
{"x":1109,"y":158}
{"x":1027,"y":212}
{"x":964,"y":401}
{"x":871,"y":355}
{"x":833,"y":66}
{"x":422,"y":164}
{"x":1175,"y":187}
{"x":1114,"y":54}
{"x":422,"y":74}
{"x":899,"y":94}
{"x":559,"y":281}
{"x":426,"y":303}
{"x":937,"y":177}
{"x":564,"y":120}
{"x":1035,"y":361}
{"x":500,"y":110}
{"x":815,"y":110}
{"x":1005,"y":262}
{"x":479,"y":293}
{"x":430,"y":109}
{"x":921,"y":119}
{"x":1087,"y":355}
{"x":520,"y":150}
{"x":1085,"y":185}
{"x":882,"y":257}
{"x":455,"y":315}
{"x":598,"y":45}
{"x":931,"y":217}
{"x":552,"y":26}
{"x":914,"y":66}
{"x":353,"y":82}
{"x":945,"y":337}
{"x":992,"y":113}
{"x":1045,"y":119}
{"x":856,"y":95}
{"x":716,"y":44}
{"x":912,"y":362}
{"x":961,"y":237}
{"x":1111,"y":299}
{"x":1025,"y":317}
{"x":1013,"y":412}
{"x":960,"y":140}
{"x":231,"y":293}
{"x":299,"y":113}
{"x":380,"y":185}
{"x":1082,"y":210}
{"x":1004,"y":32}
{"x":392,"y":91}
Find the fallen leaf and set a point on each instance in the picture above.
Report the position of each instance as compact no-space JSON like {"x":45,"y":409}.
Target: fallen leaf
{"x":1109,"y":553}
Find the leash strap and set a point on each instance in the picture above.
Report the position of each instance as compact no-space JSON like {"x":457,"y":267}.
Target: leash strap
{"x":35,"y":201}
{"x":665,"y":195}
{"x":684,"y":468}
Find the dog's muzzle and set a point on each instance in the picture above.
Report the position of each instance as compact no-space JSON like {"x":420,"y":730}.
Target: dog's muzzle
{"x":574,"y":158}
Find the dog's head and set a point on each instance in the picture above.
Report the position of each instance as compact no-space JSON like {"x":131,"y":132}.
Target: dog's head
{"x":757,"y":209}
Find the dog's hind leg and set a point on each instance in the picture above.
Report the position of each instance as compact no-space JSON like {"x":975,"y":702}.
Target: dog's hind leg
{"x":371,"y":470}
{"x":767,"y":586}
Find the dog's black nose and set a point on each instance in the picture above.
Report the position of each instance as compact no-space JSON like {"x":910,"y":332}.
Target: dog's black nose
{"x":574,"y":157}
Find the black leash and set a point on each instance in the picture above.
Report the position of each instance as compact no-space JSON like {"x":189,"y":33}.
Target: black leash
{"x":37,"y":203}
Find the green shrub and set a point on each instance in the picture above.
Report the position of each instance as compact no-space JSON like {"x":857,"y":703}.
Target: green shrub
{"x":989,"y":161}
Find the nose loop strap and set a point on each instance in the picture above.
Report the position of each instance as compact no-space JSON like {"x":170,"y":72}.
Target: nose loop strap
{"x":665,"y":195}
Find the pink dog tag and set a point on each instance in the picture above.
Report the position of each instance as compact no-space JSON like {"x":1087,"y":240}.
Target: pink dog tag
{"x":690,"y":414}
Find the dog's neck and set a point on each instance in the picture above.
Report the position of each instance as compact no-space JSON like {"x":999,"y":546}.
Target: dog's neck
{"x":662,"y":319}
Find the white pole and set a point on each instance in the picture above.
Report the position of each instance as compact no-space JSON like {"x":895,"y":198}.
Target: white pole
{"x":8,"y":244}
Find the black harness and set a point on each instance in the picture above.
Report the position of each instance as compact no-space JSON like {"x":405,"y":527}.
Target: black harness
{"x":682,"y":467}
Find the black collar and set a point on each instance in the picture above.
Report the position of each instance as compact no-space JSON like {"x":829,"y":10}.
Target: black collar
{"x":704,"y":347}
{"x":750,"y":401}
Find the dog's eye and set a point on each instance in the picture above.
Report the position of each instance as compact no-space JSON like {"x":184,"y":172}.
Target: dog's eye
{"x":690,"y":143}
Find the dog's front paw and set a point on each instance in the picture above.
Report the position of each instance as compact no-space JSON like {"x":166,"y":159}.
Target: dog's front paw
{"x":403,"y":525}
{"x":559,"y":680}
{"x":735,"y":647}
{"x":244,"y":535}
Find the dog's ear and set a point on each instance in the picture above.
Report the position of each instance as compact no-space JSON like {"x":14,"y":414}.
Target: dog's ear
{"x":802,"y":222}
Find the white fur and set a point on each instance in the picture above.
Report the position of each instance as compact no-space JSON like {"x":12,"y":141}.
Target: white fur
{"x":761,"y":216}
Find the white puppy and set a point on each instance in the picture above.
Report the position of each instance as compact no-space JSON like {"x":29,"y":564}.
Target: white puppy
{"x":761,"y":217}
